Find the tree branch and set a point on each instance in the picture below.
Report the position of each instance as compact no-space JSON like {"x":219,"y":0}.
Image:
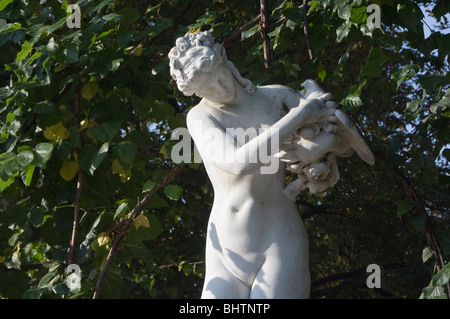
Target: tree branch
{"x":80,"y":182}
{"x":125,"y":223}
{"x":76,"y":217}
{"x":236,"y":34}
{"x":305,"y":28}
{"x":263,"y":30}
{"x":349,"y":274}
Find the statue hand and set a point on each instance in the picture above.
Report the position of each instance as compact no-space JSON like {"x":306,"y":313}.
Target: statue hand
{"x":317,"y":110}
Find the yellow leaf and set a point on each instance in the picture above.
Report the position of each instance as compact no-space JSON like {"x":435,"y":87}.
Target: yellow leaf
{"x":163,"y":151}
{"x":56,"y":132}
{"x":116,"y":168}
{"x":141,"y":220}
{"x":75,"y":156}
{"x":103,"y":262}
{"x":68,"y":170}
{"x":60,"y":67}
{"x":103,"y":239}
{"x":89,"y":90}
{"x":137,"y":50}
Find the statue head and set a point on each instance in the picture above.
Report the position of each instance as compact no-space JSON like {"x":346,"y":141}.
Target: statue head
{"x":197,"y":53}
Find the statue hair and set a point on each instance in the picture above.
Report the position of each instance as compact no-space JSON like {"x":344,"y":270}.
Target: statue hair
{"x":204,"y":43}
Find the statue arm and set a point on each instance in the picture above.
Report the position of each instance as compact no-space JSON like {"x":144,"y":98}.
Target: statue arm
{"x":218,"y":147}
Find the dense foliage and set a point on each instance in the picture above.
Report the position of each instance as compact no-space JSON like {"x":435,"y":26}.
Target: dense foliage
{"x":86,"y":116}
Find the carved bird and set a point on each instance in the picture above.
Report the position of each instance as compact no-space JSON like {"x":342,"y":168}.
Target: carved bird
{"x":317,"y":145}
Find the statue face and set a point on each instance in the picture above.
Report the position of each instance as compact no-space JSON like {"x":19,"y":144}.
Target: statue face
{"x":200,"y":66}
{"x":217,"y":85}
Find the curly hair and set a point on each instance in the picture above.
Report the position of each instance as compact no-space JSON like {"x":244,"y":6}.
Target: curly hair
{"x":200,"y":54}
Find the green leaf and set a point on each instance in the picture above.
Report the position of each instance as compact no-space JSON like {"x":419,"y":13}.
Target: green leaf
{"x":29,"y":171}
{"x":9,"y":27}
{"x":441,"y":8}
{"x":442,"y":277}
{"x":432,"y":292}
{"x":106,"y":131}
{"x":344,"y":12}
{"x":161,"y":24}
{"x":143,"y":233}
{"x":358,"y":15}
{"x":5,"y":184}
{"x":250,"y":32}
{"x":126,"y":152}
{"x":321,"y":72}
{"x":413,"y":106}
{"x":8,"y":165}
{"x":140,"y":105}
{"x":44,"y":107}
{"x":173,"y":192}
{"x":313,"y":6}
{"x":26,"y":49}
{"x":122,"y":210}
{"x":352,"y":101}
{"x":130,"y":15}
{"x":89,"y":90}
{"x":443,"y":45}
{"x":294,"y":14}
{"x":410,"y":14}
{"x":148,"y":186}
{"x":35,"y":293}
{"x":374,"y":65}
{"x":426,"y":254}
{"x":4,"y":3}
{"x":432,"y":82}
{"x":70,"y":53}
{"x":43,"y":154}
{"x":407,"y":72}
{"x":24,"y":158}
{"x":99,"y":157}
{"x":343,"y":30}
{"x":404,"y":206}
{"x":162,"y":111}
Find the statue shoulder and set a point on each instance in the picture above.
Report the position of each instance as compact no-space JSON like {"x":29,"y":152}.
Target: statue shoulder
{"x":200,"y":114}
{"x":287,"y":95}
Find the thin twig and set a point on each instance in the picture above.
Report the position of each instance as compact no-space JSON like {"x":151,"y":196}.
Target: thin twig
{"x":305,"y":28}
{"x":124,"y":225}
{"x":236,"y":34}
{"x":263,"y":30}
{"x":76,"y":217}
{"x":80,"y":182}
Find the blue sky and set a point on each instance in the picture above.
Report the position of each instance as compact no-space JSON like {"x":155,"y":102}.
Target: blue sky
{"x":431,"y":22}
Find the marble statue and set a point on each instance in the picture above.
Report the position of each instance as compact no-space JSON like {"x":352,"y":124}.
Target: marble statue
{"x":257,"y":246}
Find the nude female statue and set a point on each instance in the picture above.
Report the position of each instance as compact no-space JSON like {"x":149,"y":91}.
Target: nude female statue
{"x":257,"y":246}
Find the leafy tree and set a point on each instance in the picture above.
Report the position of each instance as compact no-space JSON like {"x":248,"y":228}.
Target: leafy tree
{"x":86,"y":117}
